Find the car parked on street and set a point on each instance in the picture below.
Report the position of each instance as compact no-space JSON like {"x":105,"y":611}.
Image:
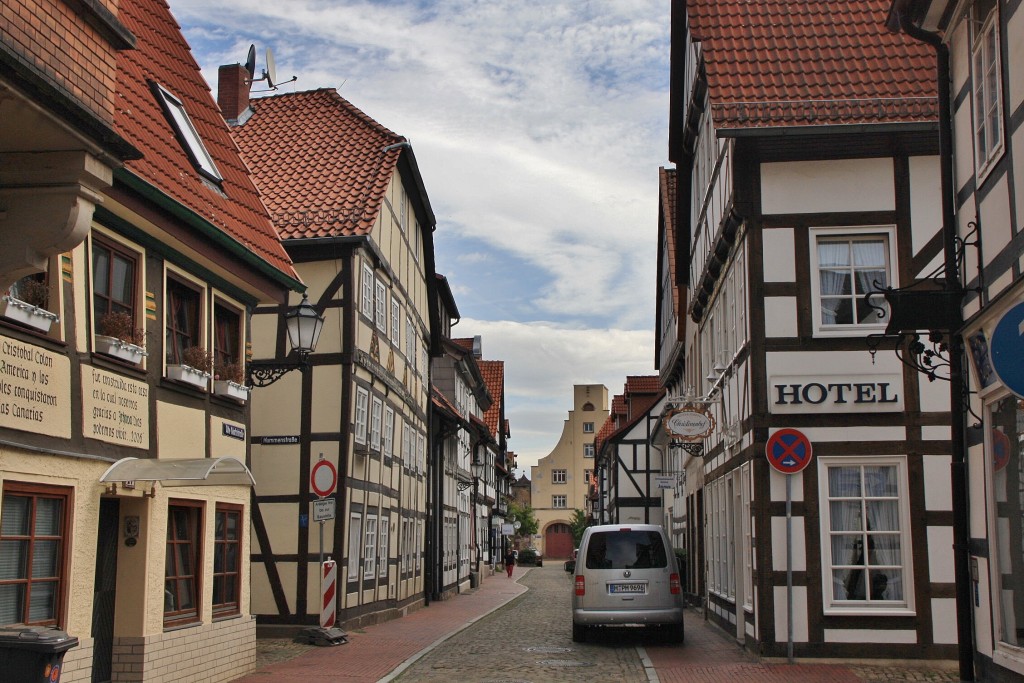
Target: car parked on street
{"x":626,"y":574}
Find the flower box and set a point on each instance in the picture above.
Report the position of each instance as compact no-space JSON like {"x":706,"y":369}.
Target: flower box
{"x":229,"y":389}
{"x":188,"y":375}
{"x":18,"y":311}
{"x":117,"y":348}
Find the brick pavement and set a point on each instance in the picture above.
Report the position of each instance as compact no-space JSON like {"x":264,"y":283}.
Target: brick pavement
{"x":414,"y":648}
{"x":375,"y":651}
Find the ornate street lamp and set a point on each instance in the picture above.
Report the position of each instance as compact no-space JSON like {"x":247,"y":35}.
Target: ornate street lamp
{"x":304,"y":325}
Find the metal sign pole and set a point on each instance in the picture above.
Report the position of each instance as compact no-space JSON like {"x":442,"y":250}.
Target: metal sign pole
{"x":789,"y":568}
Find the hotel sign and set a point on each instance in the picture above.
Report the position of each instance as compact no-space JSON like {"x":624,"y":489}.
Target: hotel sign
{"x":790,"y":394}
{"x":689,"y":423}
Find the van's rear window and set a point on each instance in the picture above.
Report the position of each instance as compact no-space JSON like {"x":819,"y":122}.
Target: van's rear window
{"x":626,"y":550}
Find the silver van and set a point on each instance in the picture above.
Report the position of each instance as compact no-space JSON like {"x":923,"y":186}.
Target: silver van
{"x":626,"y":574}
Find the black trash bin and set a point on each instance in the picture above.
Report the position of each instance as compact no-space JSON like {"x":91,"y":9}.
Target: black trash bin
{"x":33,"y":654}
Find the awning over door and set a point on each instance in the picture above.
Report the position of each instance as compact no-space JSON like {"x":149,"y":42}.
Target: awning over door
{"x":196,"y":472}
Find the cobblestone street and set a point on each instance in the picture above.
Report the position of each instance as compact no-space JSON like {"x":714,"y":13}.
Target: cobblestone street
{"x":520,"y":632}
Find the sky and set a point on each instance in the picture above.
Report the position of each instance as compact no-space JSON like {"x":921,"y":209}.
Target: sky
{"x":539,"y":127}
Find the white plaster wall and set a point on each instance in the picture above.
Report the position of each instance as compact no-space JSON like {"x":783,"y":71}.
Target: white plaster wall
{"x":777,"y":484}
{"x":825,"y":186}
{"x":995,"y":220}
{"x":832,"y":362}
{"x":780,"y":316}
{"x":859,"y":635}
{"x":983,"y":610}
{"x":855,"y":434}
{"x":959,"y":56}
{"x":944,"y":621}
{"x":977,"y":473}
{"x":935,"y":433}
{"x":181,"y":431}
{"x":779,"y":544}
{"x":777,"y":259}
{"x":800,"y":629}
{"x":275,"y":469}
{"x":937,"y":488}
{"x":963,"y":159}
{"x":934,"y":395}
{"x":940,"y":554}
{"x":1015,"y":64}
{"x":925,"y":200}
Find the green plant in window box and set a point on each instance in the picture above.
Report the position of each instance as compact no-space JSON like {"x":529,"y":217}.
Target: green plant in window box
{"x":229,"y":381}
{"x":26,"y":303}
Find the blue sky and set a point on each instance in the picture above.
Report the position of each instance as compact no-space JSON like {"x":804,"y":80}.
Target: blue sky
{"x":539,"y":127}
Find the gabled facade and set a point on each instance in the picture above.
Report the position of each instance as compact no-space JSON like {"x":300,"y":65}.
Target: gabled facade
{"x":979,"y":46}
{"x":627,"y":461}
{"x":122,"y":462}
{"x":560,"y":479}
{"x":779,"y":112}
{"x":347,"y":199}
{"x":494,"y":469}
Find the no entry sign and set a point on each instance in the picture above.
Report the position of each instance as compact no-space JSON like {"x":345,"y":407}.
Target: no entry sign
{"x":788,"y":451}
{"x":323,"y":477}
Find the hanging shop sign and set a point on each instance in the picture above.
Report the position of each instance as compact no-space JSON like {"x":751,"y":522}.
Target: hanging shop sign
{"x":689,"y":423}
{"x":1007,"y":349}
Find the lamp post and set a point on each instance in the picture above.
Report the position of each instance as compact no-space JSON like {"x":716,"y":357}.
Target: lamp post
{"x":304,"y":325}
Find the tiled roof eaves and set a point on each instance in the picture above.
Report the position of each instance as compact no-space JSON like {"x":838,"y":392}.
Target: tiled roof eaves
{"x":215,"y":234}
{"x":735,"y":127}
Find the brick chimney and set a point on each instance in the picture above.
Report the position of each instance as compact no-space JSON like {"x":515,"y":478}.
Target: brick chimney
{"x":232,"y":91}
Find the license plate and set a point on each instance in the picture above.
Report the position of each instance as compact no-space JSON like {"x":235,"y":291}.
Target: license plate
{"x":631,"y":588}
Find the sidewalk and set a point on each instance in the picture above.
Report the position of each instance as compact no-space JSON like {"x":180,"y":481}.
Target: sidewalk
{"x":375,"y":651}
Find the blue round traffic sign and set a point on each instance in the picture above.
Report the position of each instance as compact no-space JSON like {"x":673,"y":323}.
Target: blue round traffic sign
{"x":788,"y":451}
{"x":1007,"y":349}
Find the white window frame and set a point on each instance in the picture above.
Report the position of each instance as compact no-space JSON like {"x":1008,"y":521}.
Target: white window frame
{"x":884,"y":607}
{"x":369,"y":282}
{"x":421,"y":452}
{"x":362,"y":408}
{"x":383,"y":545}
{"x":381,"y":305}
{"x":389,"y":431}
{"x":376,"y":413}
{"x":396,"y":321}
{"x":559,"y":501}
{"x":746,"y":493}
{"x":986,"y":90}
{"x":355,"y":541}
{"x":588,"y":427}
{"x":201,"y":158}
{"x":370,"y":547}
{"x":559,"y":476}
{"x":588,"y":450}
{"x":886,"y":232}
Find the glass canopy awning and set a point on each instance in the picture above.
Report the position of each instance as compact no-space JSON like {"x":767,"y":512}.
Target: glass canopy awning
{"x":193,"y":472}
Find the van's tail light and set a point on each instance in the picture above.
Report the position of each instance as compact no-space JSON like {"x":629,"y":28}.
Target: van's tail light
{"x":581,"y":585}
{"x":673,"y":584}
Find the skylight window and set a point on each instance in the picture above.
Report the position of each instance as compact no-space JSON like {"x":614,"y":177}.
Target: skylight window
{"x":174,"y":109}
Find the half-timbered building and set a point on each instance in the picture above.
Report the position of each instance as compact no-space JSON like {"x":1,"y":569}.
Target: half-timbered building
{"x":981,"y":84}
{"x":126,"y":498}
{"x":807,"y":166}
{"x":348,"y":201}
{"x":627,"y":461}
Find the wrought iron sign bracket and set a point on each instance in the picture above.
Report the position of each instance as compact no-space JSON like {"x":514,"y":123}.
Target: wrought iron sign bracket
{"x":263,"y":373}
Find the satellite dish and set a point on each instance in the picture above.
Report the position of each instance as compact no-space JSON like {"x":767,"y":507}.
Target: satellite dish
{"x":271,"y":73}
{"x":250,"y":62}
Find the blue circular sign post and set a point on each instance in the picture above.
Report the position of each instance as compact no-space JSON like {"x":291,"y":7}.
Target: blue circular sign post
{"x":1007,"y":349}
{"x":788,"y":451}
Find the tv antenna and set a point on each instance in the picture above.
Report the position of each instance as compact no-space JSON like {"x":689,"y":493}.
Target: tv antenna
{"x":269,"y":74}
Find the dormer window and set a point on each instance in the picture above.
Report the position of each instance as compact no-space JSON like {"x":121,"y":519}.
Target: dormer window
{"x":193,"y":145}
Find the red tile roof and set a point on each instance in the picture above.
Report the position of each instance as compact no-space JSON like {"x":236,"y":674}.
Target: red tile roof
{"x":493,"y":372}
{"x":322,"y":163}
{"x":464,"y":342}
{"x":642,"y":384}
{"x":813,"y":62}
{"x":667,"y":200}
{"x":162,"y":55}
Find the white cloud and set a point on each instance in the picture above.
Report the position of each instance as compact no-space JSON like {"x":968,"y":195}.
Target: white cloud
{"x":538,"y":126}
{"x":543,"y":360}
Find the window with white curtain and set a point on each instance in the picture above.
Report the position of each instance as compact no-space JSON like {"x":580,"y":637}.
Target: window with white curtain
{"x":847,"y":265}
{"x":384,"y":549}
{"x":381,"y":306}
{"x":355,"y":537}
{"x":748,"y":545}
{"x":389,"y":431}
{"x":864,"y":529}
{"x":376,"y":415}
{"x":362,"y":408}
{"x":370,"y":547}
